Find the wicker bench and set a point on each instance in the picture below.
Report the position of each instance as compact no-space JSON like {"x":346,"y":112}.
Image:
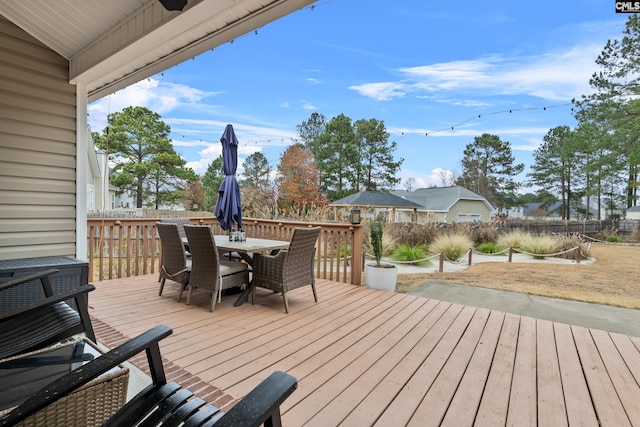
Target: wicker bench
{"x":163,"y":403}
{"x":30,"y":323}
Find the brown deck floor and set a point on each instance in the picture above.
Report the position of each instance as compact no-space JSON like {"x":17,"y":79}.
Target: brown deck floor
{"x":365,"y":357}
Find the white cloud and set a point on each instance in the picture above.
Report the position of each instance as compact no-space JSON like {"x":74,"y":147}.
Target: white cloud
{"x":437,"y":177}
{"x":213,"y":151}
{"x":308,"y":106}
{"x":441,"y":177}
{"x":553,"y":76}
{"x":158,"y":96}
{"x":381,"y":91}
{"x":209,"y":131}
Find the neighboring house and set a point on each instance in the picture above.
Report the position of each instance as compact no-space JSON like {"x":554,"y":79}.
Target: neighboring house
{"x":537,"y":211}
{"x":101,"y":196}
{"x":515,"y":212}
{"x":448,"y":204}
{"x":59,"y":56}
{"x":376,"y":204}
{"x":633,"y":212}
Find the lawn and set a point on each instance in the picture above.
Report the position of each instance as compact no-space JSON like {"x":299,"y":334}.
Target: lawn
{"x":613,"y":279}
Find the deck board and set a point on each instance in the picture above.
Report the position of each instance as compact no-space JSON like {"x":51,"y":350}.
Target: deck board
{"x":494,"y":405}
{"x":551,"y":407}
{"x":366,"y":357}
{"x":464,"y":405}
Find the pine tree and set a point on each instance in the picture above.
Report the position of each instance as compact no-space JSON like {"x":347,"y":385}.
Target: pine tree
{"x":147,"y":166}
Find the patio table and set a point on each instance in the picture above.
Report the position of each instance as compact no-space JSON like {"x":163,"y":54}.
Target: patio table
{"x":245,"y":248}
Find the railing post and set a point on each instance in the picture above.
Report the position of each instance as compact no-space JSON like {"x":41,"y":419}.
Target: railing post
{"x":510,"y":253}
{"x":577,"y":254}
{"x":357,"y":255}
{"x":470,"y":255}
{"x":441,"y":267}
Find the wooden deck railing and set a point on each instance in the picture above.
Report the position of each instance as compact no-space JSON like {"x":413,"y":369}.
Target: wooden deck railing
{"x":124,"y":247}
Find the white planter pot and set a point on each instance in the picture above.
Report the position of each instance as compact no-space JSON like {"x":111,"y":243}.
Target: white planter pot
{"x":383,"y":278}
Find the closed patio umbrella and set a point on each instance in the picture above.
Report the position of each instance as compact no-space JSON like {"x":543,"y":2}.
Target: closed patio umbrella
{"x":228,"y":207}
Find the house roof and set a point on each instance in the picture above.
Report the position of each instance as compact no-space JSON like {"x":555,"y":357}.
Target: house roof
{"x":634,"y":209}
{"x":550,"y":208}
{"x":113,"y":44}
{"x":375,"y":199}
{"x":440,"y":199}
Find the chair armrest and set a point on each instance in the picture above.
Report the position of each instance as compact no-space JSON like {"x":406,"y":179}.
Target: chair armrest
{"x":46,"y":302}
{"x":262,"y":403}
{"x":271,"y":261}
{"x":30,"y":277}
{"x":82,"y":375}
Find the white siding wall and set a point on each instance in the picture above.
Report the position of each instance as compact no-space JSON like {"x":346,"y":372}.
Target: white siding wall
{"x":37,"y":149}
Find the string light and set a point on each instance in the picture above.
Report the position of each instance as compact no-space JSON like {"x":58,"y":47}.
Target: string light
{"x":175,"y":136}
{"x":479,"y":116}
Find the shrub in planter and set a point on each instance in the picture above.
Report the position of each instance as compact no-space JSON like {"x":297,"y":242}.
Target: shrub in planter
{"x":379,"y":275}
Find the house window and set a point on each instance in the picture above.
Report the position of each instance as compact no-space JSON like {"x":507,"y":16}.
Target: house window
{"x":90,"y":200}
{"x":113,"y":201}
{"x":468,"y":217}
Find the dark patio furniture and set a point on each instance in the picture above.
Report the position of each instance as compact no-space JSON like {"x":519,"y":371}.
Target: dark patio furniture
{"x":175,"y":265}
{"x":207,"y":270}
{"x":29,"y":324}
{"x":162,"y":403}
{"x":180,"y":222}
{"x":288,"y":269}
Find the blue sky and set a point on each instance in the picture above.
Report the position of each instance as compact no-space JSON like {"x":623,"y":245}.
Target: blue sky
{"x":436,"y":73}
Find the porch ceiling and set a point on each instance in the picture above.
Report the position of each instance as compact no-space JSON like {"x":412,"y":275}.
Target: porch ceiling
{"x":113,"y":44}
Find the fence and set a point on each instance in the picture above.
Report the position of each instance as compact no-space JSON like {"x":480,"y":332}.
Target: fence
{"x":588,"y":228}
{"x":125,"y":247}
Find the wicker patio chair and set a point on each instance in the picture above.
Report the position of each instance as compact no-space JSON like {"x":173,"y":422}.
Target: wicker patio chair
{"x":175,"y":265}
{"x":207,"y":270}
{"x":288,"y":269}
{"x":181,"y":222}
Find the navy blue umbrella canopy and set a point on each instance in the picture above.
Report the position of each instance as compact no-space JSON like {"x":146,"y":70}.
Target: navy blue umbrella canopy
{"x":228,"y":207}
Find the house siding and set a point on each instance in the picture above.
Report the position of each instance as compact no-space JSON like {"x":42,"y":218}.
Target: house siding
{"x":37,"y":149}
{"x":468,"y":207}
{"x":425,"y":217}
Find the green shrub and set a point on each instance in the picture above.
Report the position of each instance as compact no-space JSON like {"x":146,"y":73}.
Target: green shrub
{"x":488,"y":248}
{"x":538,"y":245}
{"x":452,"y":245}
{"x":614,"y":239}
{"x":376,"y":240}
{"x":512,"y":239}
{"x":406,"y":252}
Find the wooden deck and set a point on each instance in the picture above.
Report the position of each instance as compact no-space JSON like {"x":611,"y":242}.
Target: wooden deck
{"x":365,"y":357}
